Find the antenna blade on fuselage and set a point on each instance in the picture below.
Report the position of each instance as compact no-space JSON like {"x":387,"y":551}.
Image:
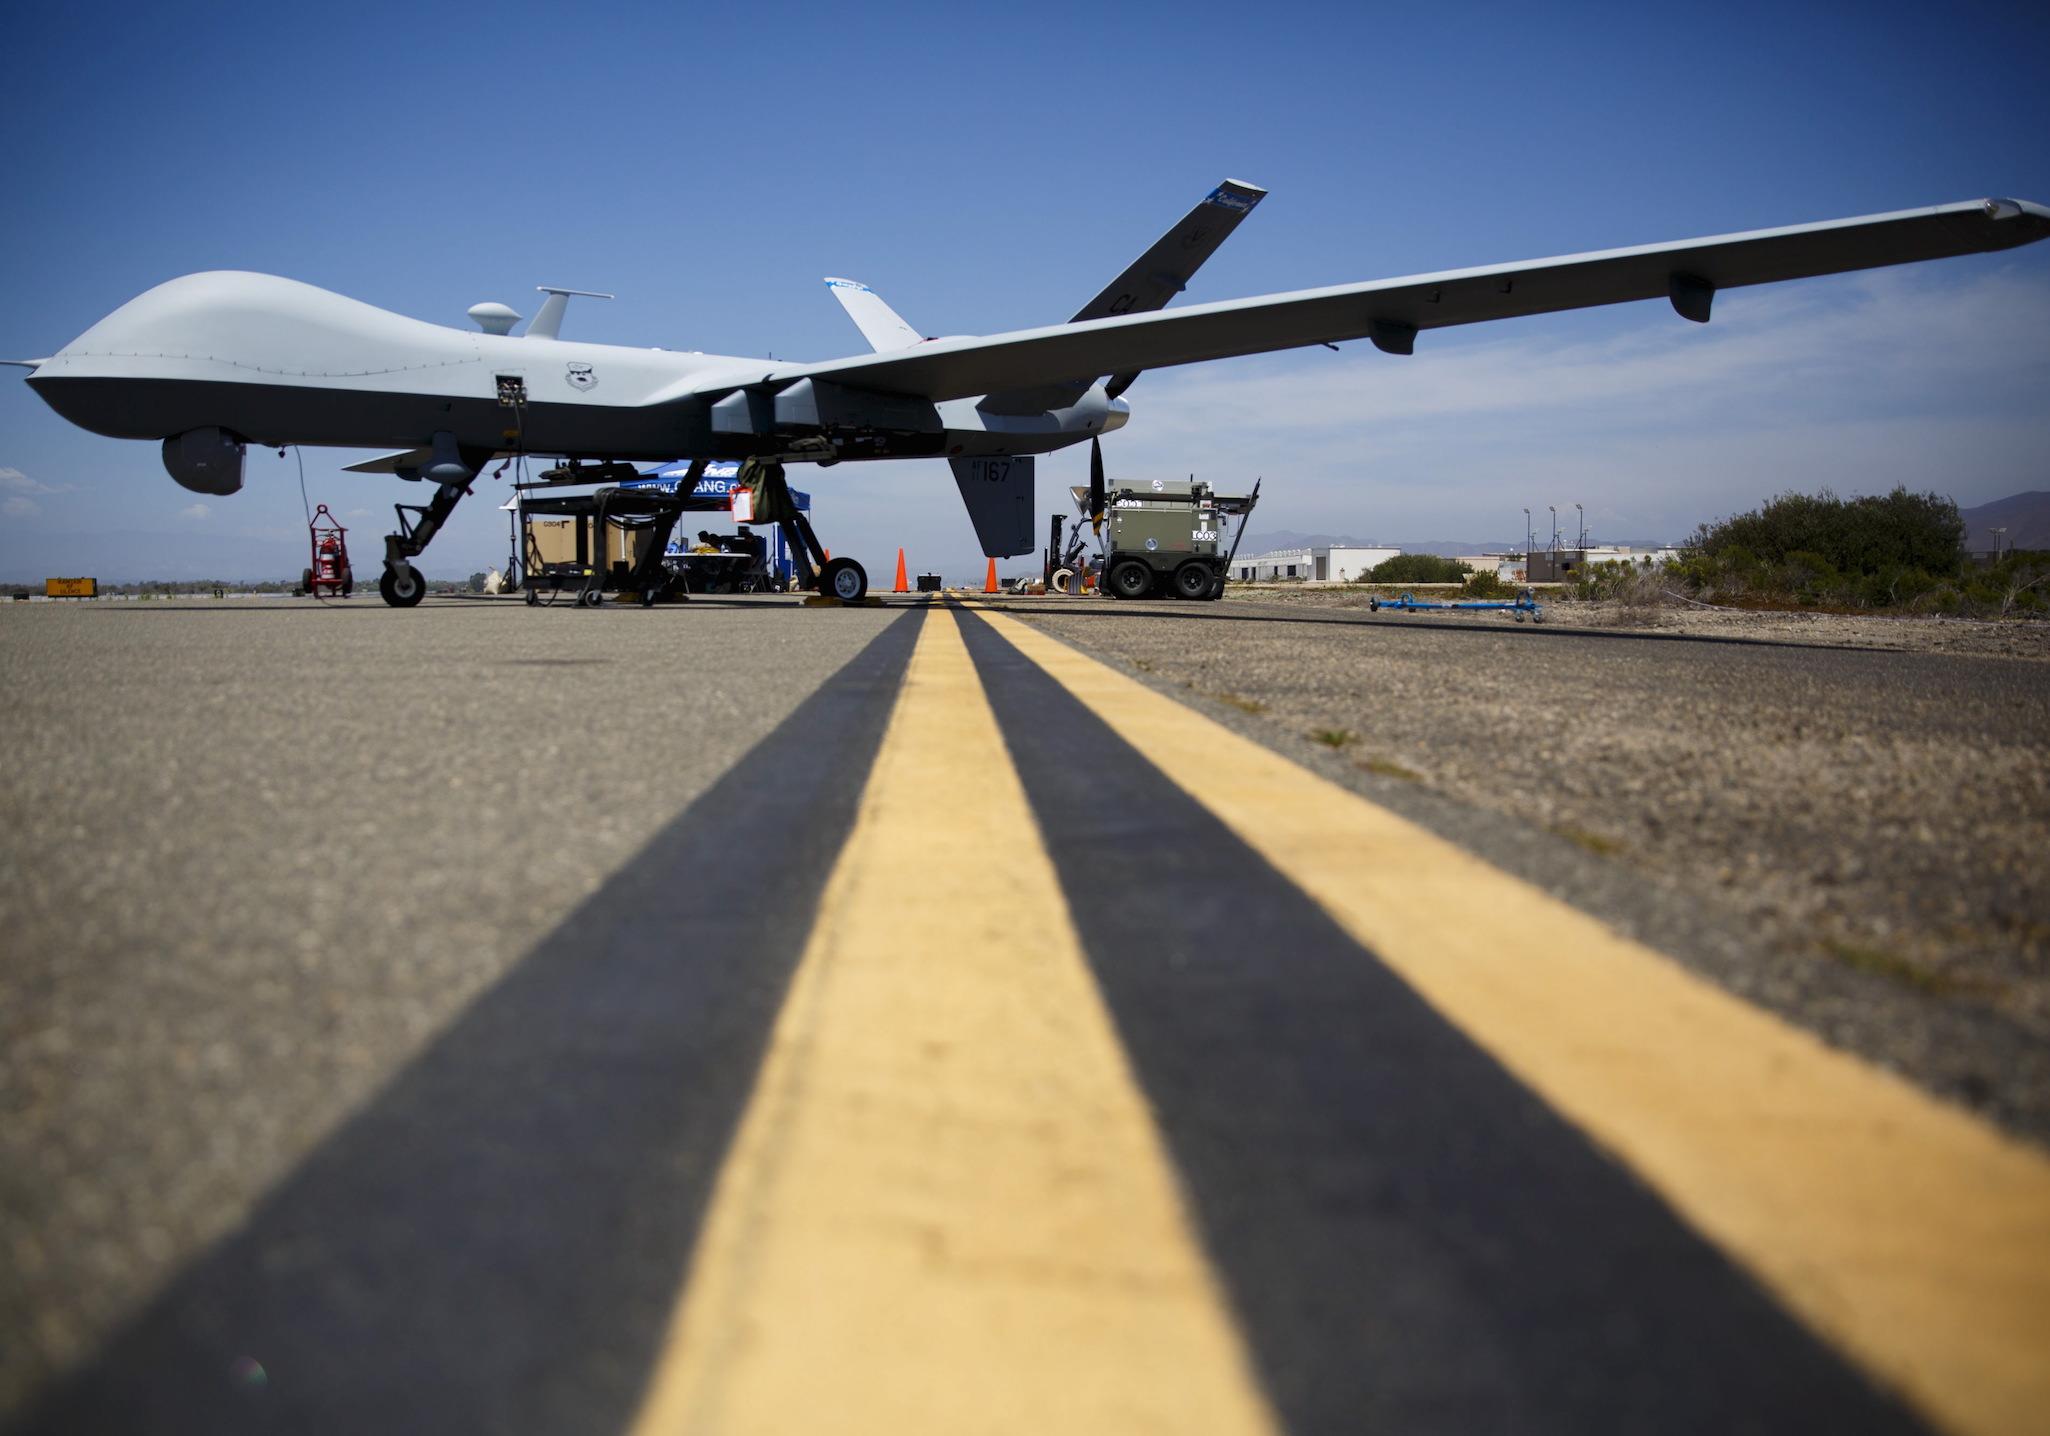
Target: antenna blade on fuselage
{"x":548,"y":323}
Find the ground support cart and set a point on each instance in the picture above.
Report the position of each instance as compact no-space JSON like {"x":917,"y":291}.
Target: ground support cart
{"x":1524,"y":604}
{"x":588,"y":573}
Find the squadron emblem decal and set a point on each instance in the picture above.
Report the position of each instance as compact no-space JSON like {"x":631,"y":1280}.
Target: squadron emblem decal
{"x":581,"y":377}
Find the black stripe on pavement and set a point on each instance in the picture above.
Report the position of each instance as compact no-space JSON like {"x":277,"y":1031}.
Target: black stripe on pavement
{"x":495,"y":1242}
{"x":1411,"y":1239}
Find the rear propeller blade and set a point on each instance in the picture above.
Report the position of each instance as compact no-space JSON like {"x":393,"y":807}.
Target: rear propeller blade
{"x":1097,"y":497}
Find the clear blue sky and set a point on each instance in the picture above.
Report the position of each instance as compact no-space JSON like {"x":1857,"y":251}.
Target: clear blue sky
{"x":990,"y":170}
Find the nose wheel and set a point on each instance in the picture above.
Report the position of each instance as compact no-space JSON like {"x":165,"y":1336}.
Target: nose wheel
{"x":402,"y":587}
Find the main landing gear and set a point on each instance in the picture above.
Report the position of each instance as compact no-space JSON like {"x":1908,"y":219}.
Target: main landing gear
{"x":452,"y":473}
{"x":840,"y":578}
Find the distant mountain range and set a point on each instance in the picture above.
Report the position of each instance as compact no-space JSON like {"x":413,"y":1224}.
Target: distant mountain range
{"x":1268,"y":540}
{"x":2026,"y":517}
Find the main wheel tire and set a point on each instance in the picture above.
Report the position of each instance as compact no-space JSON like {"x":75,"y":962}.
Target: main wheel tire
{"x":1131,"y":579}
{"x":402,"y":587}
{"x":1217,"y":588}
{"x":844,"y":579}
{"x":1192,"y":580}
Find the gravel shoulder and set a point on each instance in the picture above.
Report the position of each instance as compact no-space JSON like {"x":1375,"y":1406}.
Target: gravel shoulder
{"x":1843,"y":819}
{"x":1904,"y":634}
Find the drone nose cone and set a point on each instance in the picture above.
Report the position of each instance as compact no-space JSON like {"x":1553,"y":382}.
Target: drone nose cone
{"x":1118,"y":415}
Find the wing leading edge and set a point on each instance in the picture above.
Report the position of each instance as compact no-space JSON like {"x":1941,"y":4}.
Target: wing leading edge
{"x":1391,"y":312}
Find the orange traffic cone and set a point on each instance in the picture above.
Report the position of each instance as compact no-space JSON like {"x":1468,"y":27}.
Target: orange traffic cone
{"x":903,"y":583}
{"x":989,"y":585}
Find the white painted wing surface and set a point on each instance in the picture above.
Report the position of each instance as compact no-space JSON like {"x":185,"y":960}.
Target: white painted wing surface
{"x":1391,"y":311}
{"x":879,"y":324}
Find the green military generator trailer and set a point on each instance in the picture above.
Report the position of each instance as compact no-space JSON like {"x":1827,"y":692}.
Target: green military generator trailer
{"x":1167,"y":538}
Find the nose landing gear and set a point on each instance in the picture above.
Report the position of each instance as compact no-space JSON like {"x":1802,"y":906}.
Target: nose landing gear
{"x":452,"y":471}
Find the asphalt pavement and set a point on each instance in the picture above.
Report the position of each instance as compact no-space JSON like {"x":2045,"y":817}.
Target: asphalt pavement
{"x":413,"y":1021}
{"x":1848,"y":834}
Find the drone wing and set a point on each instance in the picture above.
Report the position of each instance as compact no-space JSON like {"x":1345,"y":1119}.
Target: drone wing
{"x":1392,"y":312}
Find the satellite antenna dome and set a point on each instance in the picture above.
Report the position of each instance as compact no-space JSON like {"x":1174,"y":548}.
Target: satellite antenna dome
{"x":494,"y":318}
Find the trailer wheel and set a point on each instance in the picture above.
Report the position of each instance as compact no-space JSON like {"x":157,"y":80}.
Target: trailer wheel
{"x":1131,"y":579}
{"x":306,"y":580}
{"x":533,"y":597}
{"x":1216,"y":588}
{"x":348,"y":580}
{"x":1192,"y":580}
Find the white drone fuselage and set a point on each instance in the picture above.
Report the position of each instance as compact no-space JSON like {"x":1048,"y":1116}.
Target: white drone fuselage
{"x":211,"y":362}
{"x":274,"y":362}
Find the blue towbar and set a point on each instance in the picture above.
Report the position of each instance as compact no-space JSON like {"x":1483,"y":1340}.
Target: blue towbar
{"x":1524,"y":603}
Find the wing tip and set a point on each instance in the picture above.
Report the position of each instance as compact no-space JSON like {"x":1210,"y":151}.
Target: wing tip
{"x":1236,"y":195}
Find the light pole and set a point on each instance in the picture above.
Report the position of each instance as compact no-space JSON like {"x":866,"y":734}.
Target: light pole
{"x":1526,"y":536}
{"x":1555,"y":526}
{"x":1583,"y":527}
{"x":1999,"y":542}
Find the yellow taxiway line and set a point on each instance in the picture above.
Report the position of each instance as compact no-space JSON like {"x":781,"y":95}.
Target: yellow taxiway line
{"x":1910,"y":1234}
{"x":947,"y":1207}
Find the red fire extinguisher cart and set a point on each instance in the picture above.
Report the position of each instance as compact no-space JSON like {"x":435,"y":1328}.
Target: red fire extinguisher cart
{"x":330,"y":574}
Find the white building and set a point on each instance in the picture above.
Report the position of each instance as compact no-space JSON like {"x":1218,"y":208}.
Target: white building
{"x":1310,"y":565}
{"x":1566,"y":564}
{"x":1506,"y":566}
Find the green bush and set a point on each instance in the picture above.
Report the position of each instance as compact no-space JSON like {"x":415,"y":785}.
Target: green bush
{"x":1851,"y":536}
{"x":1894,"y":551}
{"x":1417,"y":568}
{"x":1627,"y":583}
{"x":1488,"y":584}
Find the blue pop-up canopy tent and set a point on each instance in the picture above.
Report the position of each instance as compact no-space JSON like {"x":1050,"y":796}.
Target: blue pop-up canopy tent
{"x":719,"y":480}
